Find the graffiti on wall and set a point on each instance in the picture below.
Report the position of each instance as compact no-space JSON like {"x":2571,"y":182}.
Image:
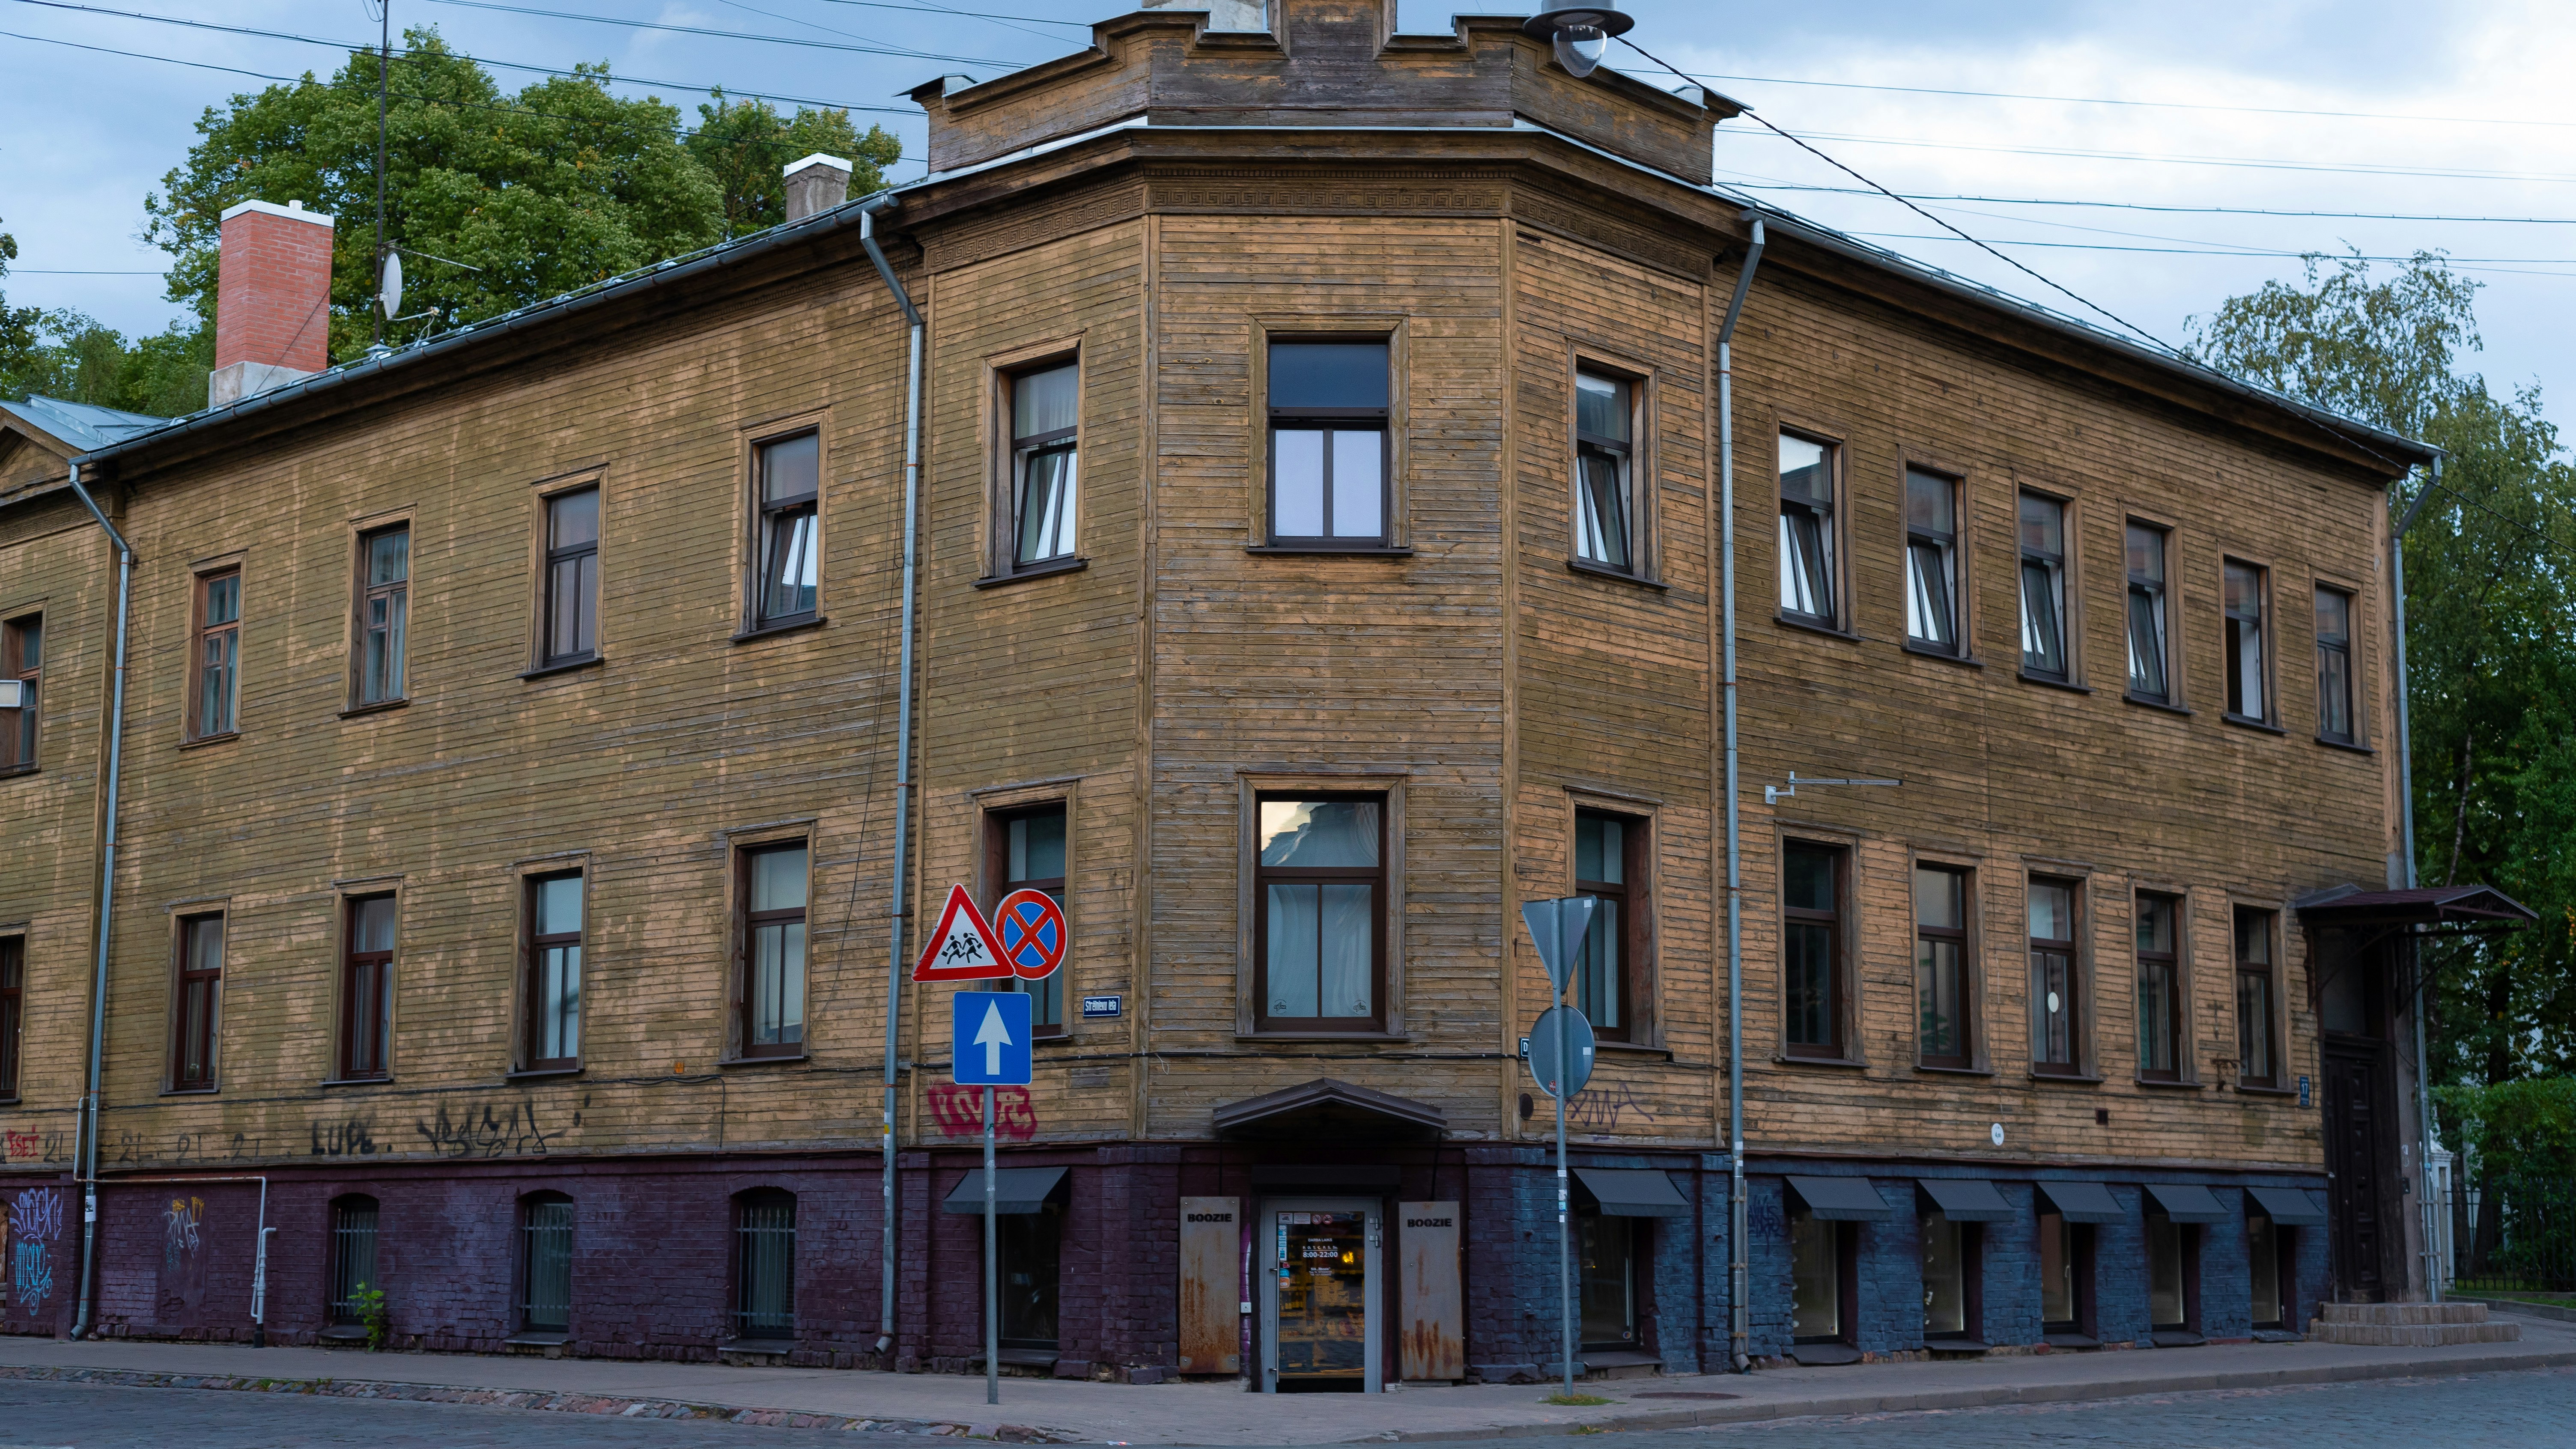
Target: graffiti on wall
{"x":1599,"y":1110}
{"x":35,"y":1225}
{"x":183,"y":1265}
{"x":960,"y":1112}
{"x":488,"y":1130}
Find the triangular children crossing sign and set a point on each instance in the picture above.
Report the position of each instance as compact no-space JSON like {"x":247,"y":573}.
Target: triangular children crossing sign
{"x":962,"y":948}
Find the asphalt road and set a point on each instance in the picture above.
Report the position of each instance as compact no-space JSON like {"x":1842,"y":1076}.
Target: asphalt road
{"x":2489,"y":1411}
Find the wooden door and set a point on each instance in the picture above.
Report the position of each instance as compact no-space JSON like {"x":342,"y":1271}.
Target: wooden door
{"x":2358,"y":1125}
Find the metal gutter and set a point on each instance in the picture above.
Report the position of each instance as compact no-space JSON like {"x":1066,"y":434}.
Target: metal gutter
{"x":1739,"y":1311}
{"x":2430,"y":1254}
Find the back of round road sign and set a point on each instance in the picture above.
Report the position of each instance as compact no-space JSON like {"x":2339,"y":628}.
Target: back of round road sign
{"x":1542,"y":1051}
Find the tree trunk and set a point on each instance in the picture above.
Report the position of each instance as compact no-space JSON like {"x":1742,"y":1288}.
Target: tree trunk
{"x":2460,"y":812}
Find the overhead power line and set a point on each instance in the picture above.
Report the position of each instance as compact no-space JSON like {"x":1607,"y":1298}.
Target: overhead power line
{"x":2150,"y":206}
{"x":2217,"y":251}
{"x":1771,"y":80}
{"x":2338,"y":168}
{"x":728,"y":34}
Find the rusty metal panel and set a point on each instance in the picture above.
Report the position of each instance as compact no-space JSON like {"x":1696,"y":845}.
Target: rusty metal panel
{"x":1431,"y":1307}
{"x":1211,"y":1318}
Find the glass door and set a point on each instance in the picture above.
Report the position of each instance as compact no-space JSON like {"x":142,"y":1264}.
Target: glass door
{"x":1319,"y":1294}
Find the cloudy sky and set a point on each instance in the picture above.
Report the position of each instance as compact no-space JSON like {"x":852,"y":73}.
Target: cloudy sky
{"x":2184,"y":115}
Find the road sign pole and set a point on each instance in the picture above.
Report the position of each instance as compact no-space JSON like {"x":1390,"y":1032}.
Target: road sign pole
{"x":992,"y":1271}
{"x":1564,"y":1232}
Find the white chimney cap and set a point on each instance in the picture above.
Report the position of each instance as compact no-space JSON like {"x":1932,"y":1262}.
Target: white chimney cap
{"x":293,"y":211}
{"x":817,"y":159}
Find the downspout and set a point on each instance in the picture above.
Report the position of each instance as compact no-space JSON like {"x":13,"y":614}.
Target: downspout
{"x":903,"y":750}
{"x":1740,"y":1316}
{"x":2424,"y":1206}
{"x":85,"y":1159}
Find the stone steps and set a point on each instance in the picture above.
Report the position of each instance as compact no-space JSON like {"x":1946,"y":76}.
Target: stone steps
{"x":2409,"y":1325}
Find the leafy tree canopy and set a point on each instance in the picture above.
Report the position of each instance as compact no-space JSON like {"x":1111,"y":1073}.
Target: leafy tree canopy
{"x":743,"y":145}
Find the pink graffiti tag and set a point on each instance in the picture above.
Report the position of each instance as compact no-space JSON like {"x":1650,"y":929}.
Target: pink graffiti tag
{"x":960,"y":1111}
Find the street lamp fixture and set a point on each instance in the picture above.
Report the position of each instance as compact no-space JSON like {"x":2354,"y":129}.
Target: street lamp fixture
{"x":1581,"y":36}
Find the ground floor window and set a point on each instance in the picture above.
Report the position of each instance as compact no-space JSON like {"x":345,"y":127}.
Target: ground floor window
{"x":765,"y":1264}
{"x":353,"y":1258}
{"x":1950,"y":1278}
{"x":1032,"y":1249}
{"x":2263,"y":1260}
{"x":545,"y":1228}
{"x":2170,"y":1253}
{"x":1815,"y":1279}
{"x":2064,"y":1273}
{"x":1605,"y":1249}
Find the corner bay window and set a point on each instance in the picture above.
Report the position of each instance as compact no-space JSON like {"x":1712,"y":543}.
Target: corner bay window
{"x":22,"y":658}
{"x":384,"y":614}
{"x":1028,"y":852}
{"x":790,"y":480}
{"x":366,"y":982}
{"x":2149,"y":675}
{"x":554,"y":972}
{"x":2055,"y":1039}
{"x":1806,"y":529}
{"x":1940,"y":966}
{"x":2043,"y":587}
{"x":2248,"y":681}
{"x":1318,"y":897}
{"x":568,"y":623}
{"x":2334,"y":666}
{"x":1932,"y":562}
{"x":1811,"y":950}
{"x":1609,"y":865}
{"x":1328,"y":443}
{"x":216,"y":697}
{"x":772,"y":992}
{"x":1046,"y":407}
{"x":2258,"y":1049}
{"x":2159,"y":991}
{"x":201,"y":991}
{"x":1604,"y":485}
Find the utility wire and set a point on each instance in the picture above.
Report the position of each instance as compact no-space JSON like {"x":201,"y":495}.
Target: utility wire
{"x":2107,"y":101}
{"x":2246,"y":163}
{"x":2211,"y":251}
{"x":2149,"y":206}
{"x":713,"y":34}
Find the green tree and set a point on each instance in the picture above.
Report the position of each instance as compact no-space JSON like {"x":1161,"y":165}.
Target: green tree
{"x":744,"y":145}
{"x":2491,"y":641}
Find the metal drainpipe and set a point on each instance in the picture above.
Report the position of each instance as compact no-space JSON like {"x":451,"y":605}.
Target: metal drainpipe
{"x":903,"y":746}
{"x":1740,"y":1318}
{"x":85,"y":1159}
{"x":2430,"y":1254}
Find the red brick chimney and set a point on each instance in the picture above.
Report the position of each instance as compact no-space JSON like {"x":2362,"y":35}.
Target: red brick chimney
{"x":272,"y":299}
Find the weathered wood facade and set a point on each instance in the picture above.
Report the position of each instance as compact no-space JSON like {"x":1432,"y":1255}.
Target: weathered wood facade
{"x":1157,"y":211}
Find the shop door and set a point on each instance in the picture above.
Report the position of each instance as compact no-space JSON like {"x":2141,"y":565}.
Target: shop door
{"x":1319,"y":1294}
{"x":2358,"y":1158}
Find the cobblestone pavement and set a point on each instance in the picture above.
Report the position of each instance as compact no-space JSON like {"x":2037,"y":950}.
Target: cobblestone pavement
{"x":2481,"y":1411}
{"x":38,"y":1415}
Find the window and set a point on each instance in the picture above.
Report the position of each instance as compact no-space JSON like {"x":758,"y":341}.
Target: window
{"x":22,"y":658}
{"x":2263,"y":1244}
{"x":1940,"y":966}
{"x":773,"y":951}
{"x":790,"y":476}
{"x":2150,"y":674}
{"x":765,"y":1264}
{"x":1328,"y":444}
{"x":217,"y":695}
{"x":384,"y":613}
{"x":2056,"y":1039}
{"x":1815,"y":1278}
{"x":1952,"y":1306}
{"x":2258,"y":1042}
{"x":2159,"y":991}
{"x":1605,"y":492}
{"x":545,"y":1256}
{"x":201,"y":995}
{"x":1807,"y":529}
{"x":13,"y":1010}
{"x":366,"y":989}
{"x":2334,"y":666}
{"x":2065,"y":1274}
{"x":570,"y":626}
{"x":1032,"y":1268}
{"x":2172,"y":1257}
{"x":2247,"y":695}
{"x":1319,"y":894}
{"x":1605,"y":1257}
{"x":554,"y":973}
{"x":2043,"y":587}
{"x":1046,"y":414}
{"x":1931,"y":562}
{"x":1811,"y":950}
{"x":353,"y":1258}
{"x":1610,"y":865}
{"x":1027,"y":853}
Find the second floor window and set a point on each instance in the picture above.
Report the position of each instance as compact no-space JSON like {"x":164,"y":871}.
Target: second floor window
{"x":201,"y":989}
{"x":554,"y":978}
{"x":22,"y":658}
{"x":13,"y":1010}
{"x":1806,"y":529}
{"x":773,"y":952}
{"x":1931,"y":561}
{"x":1609,"y":863}
{"x":2334,"y":666}
{"x":1604,"y":484}
{"x":218,"y":660}
{"x":1811,"y":950}
{"x":384,"y":613}
{"x":2248,"y":692}
{"x":1941,"y":966}
{"x":1318,"y":884}
{"x":570,"y":628}
{"x":790,"y":480}
{"x":2160,"y":1020}
{"x":2258,"y":1045}
{"x":2043,"y":586}
{"x":1046,"y":413}
{"x":2148,"y":674}
{"x":2055,"y":1040}
{"x":1328,"y":443}
{"x":1028,"y":849}
{"x":366,"y":989}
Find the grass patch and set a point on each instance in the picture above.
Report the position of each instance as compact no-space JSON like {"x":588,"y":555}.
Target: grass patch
{"x":1577,"y":1401}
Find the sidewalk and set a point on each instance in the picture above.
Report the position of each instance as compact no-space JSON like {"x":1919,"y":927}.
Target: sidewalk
{"x":1047,"y":1410}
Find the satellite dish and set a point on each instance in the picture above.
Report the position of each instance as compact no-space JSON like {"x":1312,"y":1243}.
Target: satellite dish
{"x":391,"y":297}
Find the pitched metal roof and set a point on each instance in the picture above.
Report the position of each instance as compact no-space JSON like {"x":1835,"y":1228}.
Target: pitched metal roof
{"x":83,"y":426}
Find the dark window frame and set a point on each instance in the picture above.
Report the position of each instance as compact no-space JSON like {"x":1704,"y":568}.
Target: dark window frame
{"x":2082,"y":1295}
{"x":356,"y":1226}
{"x":2177,"y":1025}
{"x":997,"y":873}
{"x":1635,"y":898}
{"x":774,"y":525}
{"x":2153,"y":593}
{"x":1972,"y":1276}
{"x":1824,"y":516}
{"x":1950,"y":548}
{"x":1962,"y":936}
{"x":2268,"y":1018}
{"x":395,"y":596}
{"x":2187,"y":1250}
{"x":13,"y":1012}
{"x":748,"y":1244}
{"x":1035,"y":1241}
{"x":2272,"y":1240}
{"x":22,"y":729}
{"x":1622,"y":456}
{"x":552,"y":558}
{"x":2232,"y":636}
{"x":746,"y":946}
{"x":1020,"y":451}
{"x":366,"y":995}
{"x":2062,"y":594}
{"x":2070,"y":949}
{"x":196,"y":1025}
{"x":1378,"y":879}
{"x":204,"y":721}
{"x":534,"y":1247}
{"x":1846,"y":1250}
{"x":2336,"y":685}
{"x":1637,"y":1245}
{"x":533,"y":984}
{"x":1837,"y":947}
{"x":1326,"y":419}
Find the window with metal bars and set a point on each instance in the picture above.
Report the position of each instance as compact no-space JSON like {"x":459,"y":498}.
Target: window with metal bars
{"x":353,"y":1257}
{"x":765,"y":1264}
{"x":545,"y":1258}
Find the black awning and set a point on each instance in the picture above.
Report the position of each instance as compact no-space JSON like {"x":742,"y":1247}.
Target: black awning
{"x":1015,"y":1190}
{"x":1967,"y":1199}
{"x":2083,"y":1202}
{"x":1632,"y":1192}
{"x":1840,"y":1199}
{"x":2290,"y":1207}
{"x":1327,"y":1110}
{"x":2188,"y":1203}
{"x":2452,"y":905}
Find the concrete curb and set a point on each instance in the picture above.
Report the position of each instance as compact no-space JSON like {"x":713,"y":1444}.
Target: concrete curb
{"x":624,"y":1408}
{"x":1983,"y":1396}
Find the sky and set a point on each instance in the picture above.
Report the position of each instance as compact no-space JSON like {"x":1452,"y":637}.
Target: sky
{"x":2456,"y":113}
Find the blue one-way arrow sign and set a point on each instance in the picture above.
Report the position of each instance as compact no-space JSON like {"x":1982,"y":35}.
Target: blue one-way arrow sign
{"x":992,"y":1039}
